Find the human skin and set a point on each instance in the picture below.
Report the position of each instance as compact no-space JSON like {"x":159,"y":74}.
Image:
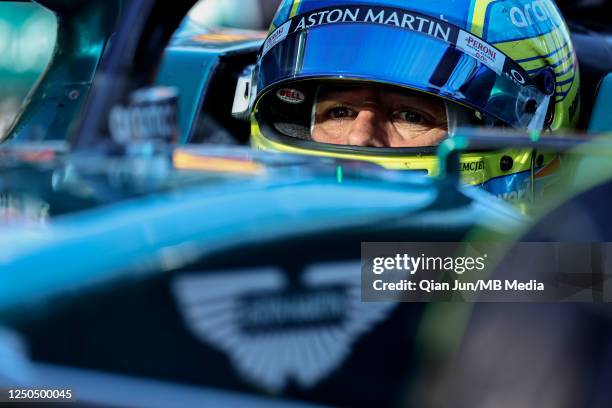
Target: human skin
{"x":377,"y":116}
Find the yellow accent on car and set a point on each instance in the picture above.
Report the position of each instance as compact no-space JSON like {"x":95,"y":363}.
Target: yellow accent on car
{"x":185,"y":160}
{"x":228,"y":37}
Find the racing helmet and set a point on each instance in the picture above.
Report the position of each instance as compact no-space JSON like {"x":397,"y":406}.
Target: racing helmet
{"x":505,"y":63}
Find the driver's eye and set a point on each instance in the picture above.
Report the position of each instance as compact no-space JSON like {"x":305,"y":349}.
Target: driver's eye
{"x":341,"y":112}
{"x":411,"y":117}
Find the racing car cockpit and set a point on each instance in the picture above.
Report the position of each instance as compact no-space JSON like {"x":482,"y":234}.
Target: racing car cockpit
{"x":246,"y":284}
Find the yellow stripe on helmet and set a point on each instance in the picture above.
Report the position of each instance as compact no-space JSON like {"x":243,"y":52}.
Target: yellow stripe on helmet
{"x":480,"y":8}
{"x":294,"y":8}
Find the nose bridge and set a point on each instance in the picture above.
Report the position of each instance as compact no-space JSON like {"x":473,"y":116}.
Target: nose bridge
{"x":367,"y":128}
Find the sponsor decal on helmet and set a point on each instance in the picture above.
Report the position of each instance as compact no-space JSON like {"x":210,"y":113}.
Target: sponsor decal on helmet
{"x":483,"y":52}
{"x":404,"y":19}
{"x":290,"y":95}
{"x":529,"y":14}
{"x":513,"y":188}
{"x":515,"y":196}
{"x":277,"y":36}
{"x":473,"y":166}
{"x":518,"y":77}
{"x":375,"y":15}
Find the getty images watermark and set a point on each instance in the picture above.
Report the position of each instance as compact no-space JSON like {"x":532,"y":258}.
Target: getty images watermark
{"x":524,"y":272}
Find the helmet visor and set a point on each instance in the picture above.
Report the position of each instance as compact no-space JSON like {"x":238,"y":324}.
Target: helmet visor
{"x":392,"y":46}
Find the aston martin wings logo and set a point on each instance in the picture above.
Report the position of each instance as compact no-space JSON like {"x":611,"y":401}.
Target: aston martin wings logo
{"x":274,"y":332}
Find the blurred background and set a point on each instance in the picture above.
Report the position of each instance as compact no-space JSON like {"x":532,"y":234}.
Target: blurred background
{"x":252,"y":14}
{"x":28,"y":35}
{"x":27,"y":39}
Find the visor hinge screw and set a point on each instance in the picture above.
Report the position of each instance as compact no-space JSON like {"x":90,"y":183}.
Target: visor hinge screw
{"x":506,"y":163}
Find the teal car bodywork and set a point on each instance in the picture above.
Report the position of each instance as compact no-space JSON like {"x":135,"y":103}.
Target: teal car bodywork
{"x":196,"y":61}
{"x":55,"y":102}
